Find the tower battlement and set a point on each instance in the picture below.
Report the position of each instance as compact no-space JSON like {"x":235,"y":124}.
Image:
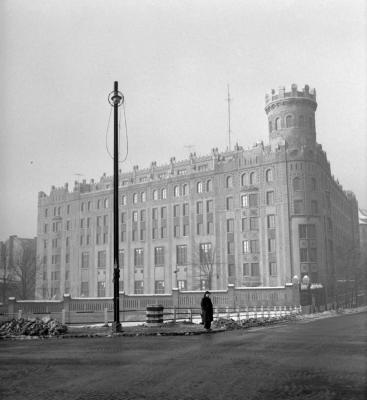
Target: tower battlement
{"x":306,"y":93}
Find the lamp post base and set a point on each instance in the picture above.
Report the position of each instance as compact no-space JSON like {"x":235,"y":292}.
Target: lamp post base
{"x":116,"y":327}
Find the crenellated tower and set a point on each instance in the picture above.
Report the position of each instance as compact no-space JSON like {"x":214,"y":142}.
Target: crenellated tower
{"x":291,"y":116}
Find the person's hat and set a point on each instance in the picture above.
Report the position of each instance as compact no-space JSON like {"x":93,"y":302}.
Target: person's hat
{"x":207,"y":292}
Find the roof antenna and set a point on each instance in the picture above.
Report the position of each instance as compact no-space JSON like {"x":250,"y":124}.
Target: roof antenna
{"x":229,"y":99}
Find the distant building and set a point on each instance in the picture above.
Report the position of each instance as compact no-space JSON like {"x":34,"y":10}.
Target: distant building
{"x":17,"y":268}
{"x":252,"y":217}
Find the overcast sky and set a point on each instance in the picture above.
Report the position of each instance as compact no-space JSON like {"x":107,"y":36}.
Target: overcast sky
{"x":173,"y":60}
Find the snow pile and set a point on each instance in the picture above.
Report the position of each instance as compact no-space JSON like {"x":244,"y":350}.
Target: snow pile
{"x":32,"y":327}
{"x":229,"y":323}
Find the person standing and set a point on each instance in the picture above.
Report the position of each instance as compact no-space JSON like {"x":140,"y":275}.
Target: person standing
{"x":207,"y":310}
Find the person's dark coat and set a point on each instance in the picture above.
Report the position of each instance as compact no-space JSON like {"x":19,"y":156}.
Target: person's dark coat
{"x":206,"y":311}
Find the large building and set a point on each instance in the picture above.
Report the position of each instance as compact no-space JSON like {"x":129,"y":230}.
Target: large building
{"x":252,"y":217}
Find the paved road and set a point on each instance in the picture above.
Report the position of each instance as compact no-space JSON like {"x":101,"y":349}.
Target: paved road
{"x":324,"y":359}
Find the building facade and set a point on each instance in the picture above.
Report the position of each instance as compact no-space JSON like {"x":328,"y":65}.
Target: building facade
{"x":252,"y":217}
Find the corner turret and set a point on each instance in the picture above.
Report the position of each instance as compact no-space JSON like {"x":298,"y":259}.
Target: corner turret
{"x":291,"y":116}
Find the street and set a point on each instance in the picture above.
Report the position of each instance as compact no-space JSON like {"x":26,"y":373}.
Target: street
{"x":322,"y":359}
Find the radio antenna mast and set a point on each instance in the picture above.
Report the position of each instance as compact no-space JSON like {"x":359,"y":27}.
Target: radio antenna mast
{"x":229,"y":99}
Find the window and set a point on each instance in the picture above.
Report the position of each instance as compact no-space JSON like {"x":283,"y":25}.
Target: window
{"x":84,"y":289}
{"x":297,"y":183}
{"x":123,"y":200}
{"x":244,"y":200}
{"x":101,"y":259}
{"x":205,"y":252}
{"x":314,"y":207}
{"x":88,"y":222}
{"x":135,"y":216}
{"x":143,"y":197}
{"x":209,"y":206}
{"x":277,"y":124}
{"x":271,"y":245}
{"x":155,"y":194}
{"x":176,"y":231}
{"x":138,"y":258}
{"x":199,"y":207}
{"x":81,"y":223}
{"x":243,"y":224}
{"x":245,"y":246}
{"x":163,"y":232}
{"x":210,"y":228}
{"x":182,"y":284}
{"x":122,"y":258}
{"x":45,"y":243}
{"x":142,"y":234}
{"x":135,"y":198}
{"x":186,"y":230}
{"x":85,"y":260}
{"x":229,"y":203}
{"x":253,"y":199}
{"x":89,"y":205}
{"x":105,"y":203}
{"x":270,"y":198}
{"x":68,"y":209}
{"x":230,"y":247}
{"x":269,"y":175}
{"x":98,"y":238}
{"x":313,"y":184}
{"x":303,"y":255}
{"x":155,"y":213}
{"x":176,"y":191}
{"x":98,"y":204}
{"x":254,"y":224}
{"x":209,"y":185}
{"x":105,"y":220}
{"x":139,"y":287}
{"x":254,"y":246}
{"x":231,"y":270}
{"x":181,"y":254}
{"x":88,"y":239}
{"x":99,"y":219}
{"x":271,"y":221}
{"x":289,"y":121}
{"x":46,"y":212}
{"x":230,"y":225}
{"x":270,"y":126}
{"x":123,"y":218}
{"x":244,"y":180}
{"x":134,"y":235}
{"x":185,"y":209}
{"x":301,"y":121}
{"x":121,"y":286}
{"x":105,"y":237}
{"x":45,"y":226}
{"x":163,"y":212}
{"x":298,"y":206}
{"x":199,"y":187}
{"x":68,"y":225}
{"x":155,"y":233}
{"x":246,"y":269}
{"x":143,"y":215}
{"x":101,"y":289}
{"x":164,"y":193}
{"x":199,"y":228}
{"x":255,"y":269}
{"x":229,"y":182}
{"x":159,"y":256}
{"x":159,"y":287}
{"x":82,"y":206}
{"x":185,"y":190}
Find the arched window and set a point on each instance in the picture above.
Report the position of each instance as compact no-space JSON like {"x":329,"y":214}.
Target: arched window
{"x":185,"y":190}
{"x":297,"y":183}
{"x":135,"y":198}
{"x":89,"y":205}
{"x":269,"y":175}
{"x":82,"y":207}
{"x":164,"y":193}
{"x":105,"y":203}
{"x":252,"y":178}
{"x":301,"y":121}
{"x":244,"y":179}
{"x":229,"y":181}
{"x":270,"y":126}
{"x":155,"y":194}
{"x":209,"y":185}
{"x":143,"y":197}
{"x":199,"y":187}
{"x":289,"y":121}
{"x":277,"y":124}
{"x":176,"y":191}
{"x":123,"y":200}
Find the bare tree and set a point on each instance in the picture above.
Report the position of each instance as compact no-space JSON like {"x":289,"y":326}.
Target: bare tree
{"x":204,"y":265}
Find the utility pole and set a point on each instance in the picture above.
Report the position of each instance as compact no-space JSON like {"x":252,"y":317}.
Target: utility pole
{"x":116,"y":98}
{"x":229,"y":99}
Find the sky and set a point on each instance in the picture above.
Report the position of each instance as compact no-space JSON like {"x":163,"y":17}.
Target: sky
{"x":173,"y":61}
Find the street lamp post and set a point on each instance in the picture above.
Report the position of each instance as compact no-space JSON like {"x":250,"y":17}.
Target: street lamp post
{"x":116,"y":98}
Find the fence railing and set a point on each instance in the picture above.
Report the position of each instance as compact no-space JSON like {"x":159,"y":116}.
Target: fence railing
{"x":233,"y":301}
